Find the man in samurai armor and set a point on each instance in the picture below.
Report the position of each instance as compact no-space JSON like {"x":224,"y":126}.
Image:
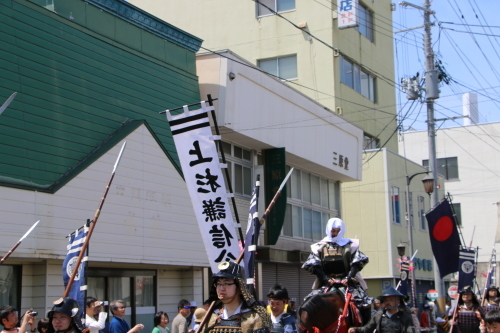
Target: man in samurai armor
{"x":393,"y":318}
{"x":336,"y":262}
{"x":236,"y":309}
{"x":492,"y":299}
{"x":283,"y":322}
{"x":469,"y":315}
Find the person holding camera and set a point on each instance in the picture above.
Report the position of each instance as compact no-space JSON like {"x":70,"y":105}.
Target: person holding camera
{"x":10,"y":320}
{"x":93,"y":308}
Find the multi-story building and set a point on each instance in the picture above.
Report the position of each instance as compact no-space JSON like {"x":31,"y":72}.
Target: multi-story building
{"x":466,"y":159}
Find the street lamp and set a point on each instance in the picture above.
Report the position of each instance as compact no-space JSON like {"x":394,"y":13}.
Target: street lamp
{"x":401,"y":250}
{"x":410,"y":224}
{"x":428,"y":182}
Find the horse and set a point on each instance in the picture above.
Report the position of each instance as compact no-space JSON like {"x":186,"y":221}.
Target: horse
{"x":328,"y":313}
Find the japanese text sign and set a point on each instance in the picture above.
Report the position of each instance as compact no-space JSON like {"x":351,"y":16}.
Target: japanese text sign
{"x":347,"y":13}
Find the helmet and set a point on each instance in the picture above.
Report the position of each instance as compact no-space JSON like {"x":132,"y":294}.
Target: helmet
{"x":231,"y":270}
{"x":70,"y":308}
{"x":466,"y":289}
{"x":391,"y":292}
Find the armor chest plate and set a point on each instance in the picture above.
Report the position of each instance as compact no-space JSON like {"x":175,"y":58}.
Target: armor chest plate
{"x":336,"y":259}
{"x":389,"y":325}
{"x":227,"y":326}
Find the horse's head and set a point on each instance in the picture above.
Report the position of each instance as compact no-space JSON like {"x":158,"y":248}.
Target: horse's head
{"x":321,"y":311}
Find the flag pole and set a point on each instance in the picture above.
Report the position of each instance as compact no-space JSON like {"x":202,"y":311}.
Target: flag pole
{"x":91,"y":229}
{"x":240,"y":257}
{"x":18,"y":242}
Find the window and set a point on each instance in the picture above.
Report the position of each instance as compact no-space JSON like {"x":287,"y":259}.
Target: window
{"x":370,"y":142}
{"x":312,"y":200}
{"x":421,"y":212}
{"x":446,"y":167}
{"x":282,"y":67}
{"x":278,"y":6}
{"x":365,"y":21}
{"x":239,"y":167}
{"x":137,"y":288}
{"x":353,"y":76}
{"x":458,"y":213}
{"x":396,"y":216}
{"x":10,"y":282}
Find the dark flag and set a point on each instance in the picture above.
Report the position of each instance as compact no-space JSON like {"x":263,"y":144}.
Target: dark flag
{"x":251,"y":238}
{"x":445,"y":241}
{"x":79,"y":287}
{"x":491,"y":272}
{"x":405,"y":269}
{"x":466,"y":269}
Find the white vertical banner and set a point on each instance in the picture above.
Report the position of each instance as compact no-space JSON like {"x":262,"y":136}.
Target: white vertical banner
{"x":347,"y":13}
{"x":203,"y":175}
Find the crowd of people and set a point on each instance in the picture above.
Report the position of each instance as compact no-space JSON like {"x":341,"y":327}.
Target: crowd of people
{"x":336,"y":261}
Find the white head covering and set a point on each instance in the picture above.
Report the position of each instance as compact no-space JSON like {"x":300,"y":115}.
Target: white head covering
{"x":339,"y":239}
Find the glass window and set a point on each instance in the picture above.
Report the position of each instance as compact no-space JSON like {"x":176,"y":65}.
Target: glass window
{"x":239,"y":165}
{"x":275,"y":6}
{"x":324,"y":192}
{"x":315,"y":190}
{"x":283,"y":67}
{"x":396,"y":218}
{"x":421,"y":212}
{"x":296,"y":184}
{"x":307,"y":223}
{"x":458,"y":213}
{"x":10,"y":288}
{"x":287,"y":224}
{"x":365,"y":21}
{"x":446,"y":167}
{"x":356,"y":78}
{"x":297,"y":221}
{"x":317,"y":225}
{"x":333,"y":195}
{"x":306,"y":187}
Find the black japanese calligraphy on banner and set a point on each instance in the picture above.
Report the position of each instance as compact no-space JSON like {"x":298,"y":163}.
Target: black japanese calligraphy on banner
{"x":200,"y":164}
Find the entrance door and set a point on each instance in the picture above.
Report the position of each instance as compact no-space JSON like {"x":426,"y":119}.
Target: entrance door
{"x":137,"y":289}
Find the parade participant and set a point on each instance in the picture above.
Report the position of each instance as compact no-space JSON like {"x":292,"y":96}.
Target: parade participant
{"x":236,"y":310}
{"x":43,"y":325}
{"x":10,"y":320}
{"x":392,"y":319}
{"x":492,"y":300}
{"x":93,"y":308}
{"x":376,"y":306}
{"x":336,"y":261}
{"x":426,"y":317}
{"x":179,"y":325}
{"x":118,"y":324}
{"x":65,"y":317}
{"x":161,"y":321}
{"x":414,"y":317}
{"x":198,"y":317}
{"x":283,"y":322}
{"x":469,"y":315}
{"x":492,"y":320}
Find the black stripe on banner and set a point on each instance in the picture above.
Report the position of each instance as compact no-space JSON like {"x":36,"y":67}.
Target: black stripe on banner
{"x":188,"y":119}
{"x":190,"y":128}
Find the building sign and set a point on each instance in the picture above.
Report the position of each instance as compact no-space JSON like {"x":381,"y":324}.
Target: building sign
{"x":347,"y":13}
{"x":197,"y":152}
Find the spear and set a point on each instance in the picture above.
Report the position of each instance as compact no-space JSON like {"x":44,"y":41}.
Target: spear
{"x":208,"y":314}
{"x":18,"y":242}
{"x":7,"y":102}
{"x":91,"y":229}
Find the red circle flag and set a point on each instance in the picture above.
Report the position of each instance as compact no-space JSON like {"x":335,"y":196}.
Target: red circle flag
{"x":443,"y":229}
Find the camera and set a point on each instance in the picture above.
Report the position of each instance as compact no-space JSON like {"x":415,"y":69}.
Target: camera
{"x":33,"y":313}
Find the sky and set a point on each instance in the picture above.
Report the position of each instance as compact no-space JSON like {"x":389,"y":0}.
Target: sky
{"x":471,"y":60}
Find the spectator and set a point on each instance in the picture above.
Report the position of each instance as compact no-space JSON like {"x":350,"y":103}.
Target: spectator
{"x":118,"y":324}
{"x":43,"y":325}
{"x":161,"y":321}
{"x":376,"y":306}
{"x":179,"y":325}
{"x":93,"y":309}
{"x":10,"y":319}
{"x":198,"y":317}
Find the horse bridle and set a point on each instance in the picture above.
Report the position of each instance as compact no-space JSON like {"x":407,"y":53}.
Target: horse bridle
{"x":335,"y":327}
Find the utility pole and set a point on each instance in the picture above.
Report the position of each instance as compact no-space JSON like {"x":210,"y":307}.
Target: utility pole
{"x":431,"y":93}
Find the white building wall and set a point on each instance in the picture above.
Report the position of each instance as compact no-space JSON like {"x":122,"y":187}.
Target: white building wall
{"x":478,"y":188}
{"x":146,"y":218}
